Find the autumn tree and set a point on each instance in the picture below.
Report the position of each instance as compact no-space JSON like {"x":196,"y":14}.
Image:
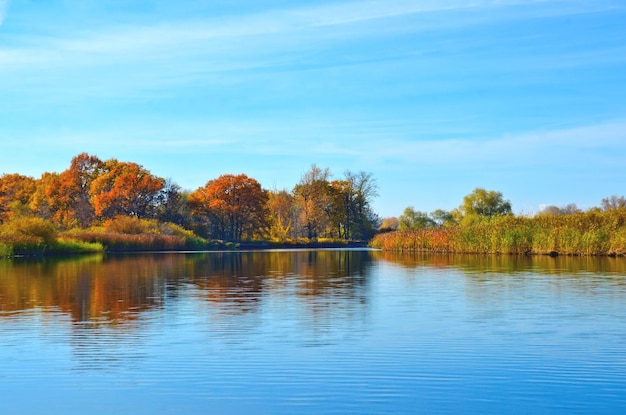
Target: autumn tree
{"x":388,"y":224}
{"x":351,"y":215}
{"x":67,"y":195}
{"x":125,"y":189}
{"x":338,"y":208}
{"x":231,"y":207}
{"x":314,"y":201}
{"x":40,"y":204}
{"x":281,"y":214}
{"x":15,"y":194}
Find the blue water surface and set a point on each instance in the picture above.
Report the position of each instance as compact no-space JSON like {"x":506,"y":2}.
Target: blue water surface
{"x":312,"y":332}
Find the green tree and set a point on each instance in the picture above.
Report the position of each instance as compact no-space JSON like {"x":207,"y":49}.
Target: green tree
{"x":442,"y":217}
{"x":340,"y":209}
{"x":173,"y":204}
{"x":414,"y":219}
{"x":363,"y":221}
{"x":483,"y":202}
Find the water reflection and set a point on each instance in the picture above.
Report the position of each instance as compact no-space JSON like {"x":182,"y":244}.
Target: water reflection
{"x":108,"y":308}
{"x":90,"y":290}
{"x":506,"y":264}
{"x":115,"y":290}
{"x":508,"y":288}
{"x":310,"y":332}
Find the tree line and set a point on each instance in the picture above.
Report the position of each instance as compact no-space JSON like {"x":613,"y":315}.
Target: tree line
{"x":231,"y":207}
{"x":483,"y":204}
{"x":485,"y":223}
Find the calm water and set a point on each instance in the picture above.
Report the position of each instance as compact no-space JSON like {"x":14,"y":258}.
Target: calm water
{"x":312,"y":332}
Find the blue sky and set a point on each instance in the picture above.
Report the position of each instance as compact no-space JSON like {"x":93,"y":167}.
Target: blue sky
{"x":434,"y":98}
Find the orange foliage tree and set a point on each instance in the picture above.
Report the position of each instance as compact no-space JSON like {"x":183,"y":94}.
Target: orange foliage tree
{"x":67,"y":199}
{"x":125,"y":189}
{"x":40,"y":203}
{"x":231,"y":207}
{"x":15,"y":193}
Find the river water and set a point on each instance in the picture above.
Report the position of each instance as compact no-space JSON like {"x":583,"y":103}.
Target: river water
{"x":312,"y":332}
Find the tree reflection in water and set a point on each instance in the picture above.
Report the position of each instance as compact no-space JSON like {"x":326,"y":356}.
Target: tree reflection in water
{"x":115,"y":290}
{"x":106,"y":305}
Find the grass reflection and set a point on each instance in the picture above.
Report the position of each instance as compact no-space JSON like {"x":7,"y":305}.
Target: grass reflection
{"x":540,"y":264}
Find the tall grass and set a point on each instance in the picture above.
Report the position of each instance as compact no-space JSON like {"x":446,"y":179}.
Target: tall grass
{"x":132,"y":242}
{"x":29,"y":236}
{"x":37,"y":237}
{"x":133,"y":234}
{"x":71,"y":246}
{"x":26,"y":236}
{"x":585,"y":233}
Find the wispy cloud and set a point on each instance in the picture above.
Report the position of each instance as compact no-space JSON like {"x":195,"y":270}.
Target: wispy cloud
{"x":113,"y":61}
{"x":164,"y":41}
{"x":382,"y":144}
{"x":4,"y":5}
{"x":521,"y":149}
{"x":355,"y":12}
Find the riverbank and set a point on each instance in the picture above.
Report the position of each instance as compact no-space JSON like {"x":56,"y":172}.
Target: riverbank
{"x":584,"y":233}
{"x":10,"y":249}
{"x":37,"y":239}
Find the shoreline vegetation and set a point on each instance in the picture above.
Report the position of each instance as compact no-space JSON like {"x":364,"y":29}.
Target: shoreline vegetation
{"x":98,"y":206}
{"x":36,"y":237}
{"x":591,"y":233}
{"x":115,"y":206}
